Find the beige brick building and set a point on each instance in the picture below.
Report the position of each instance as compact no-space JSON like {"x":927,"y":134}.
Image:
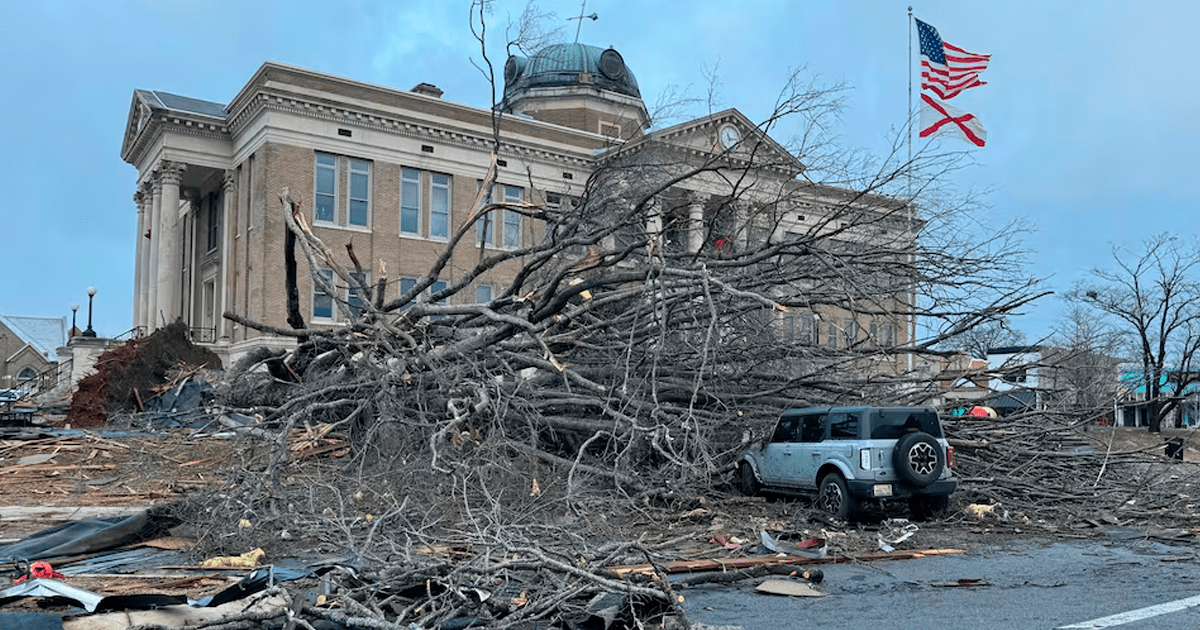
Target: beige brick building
{"x":391,"y":172}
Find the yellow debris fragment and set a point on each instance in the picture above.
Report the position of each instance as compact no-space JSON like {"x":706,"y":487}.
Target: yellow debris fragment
{"x":248,"y":560}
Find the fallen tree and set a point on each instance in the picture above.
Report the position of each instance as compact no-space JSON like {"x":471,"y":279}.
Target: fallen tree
{"x":660,"y":319}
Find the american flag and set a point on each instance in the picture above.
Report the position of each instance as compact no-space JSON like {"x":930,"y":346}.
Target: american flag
{"x":947,"y":70}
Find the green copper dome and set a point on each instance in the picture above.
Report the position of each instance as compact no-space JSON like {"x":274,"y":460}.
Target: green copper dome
{"x":568,"y":65}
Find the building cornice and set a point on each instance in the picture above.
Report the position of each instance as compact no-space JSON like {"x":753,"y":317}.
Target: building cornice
{"x":289,"y":103}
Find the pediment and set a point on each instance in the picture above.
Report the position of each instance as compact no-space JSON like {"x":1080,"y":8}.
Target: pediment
{"x":729,"y":134}
{"x":140,"y":113}
{"x":27,"y":350}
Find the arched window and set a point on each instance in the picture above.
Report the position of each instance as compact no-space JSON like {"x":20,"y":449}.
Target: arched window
{"x":26,"y":374}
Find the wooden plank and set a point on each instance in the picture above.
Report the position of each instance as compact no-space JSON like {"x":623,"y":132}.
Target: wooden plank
{"x":791,"y":588}
{"x":725,"y":564}
{"x":43,"y":514}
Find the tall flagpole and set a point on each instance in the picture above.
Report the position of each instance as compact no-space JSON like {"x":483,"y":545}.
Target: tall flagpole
{"x":912,"y":326}
{"x":908,"y":105}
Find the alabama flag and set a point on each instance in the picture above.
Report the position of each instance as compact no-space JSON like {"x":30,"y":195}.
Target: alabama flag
{"x":939,"y":119}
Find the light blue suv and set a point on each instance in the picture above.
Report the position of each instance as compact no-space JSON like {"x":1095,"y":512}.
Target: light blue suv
{"x":847,"y":456}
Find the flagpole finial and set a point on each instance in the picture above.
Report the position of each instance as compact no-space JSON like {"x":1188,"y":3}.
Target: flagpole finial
{"x":910,"y":10}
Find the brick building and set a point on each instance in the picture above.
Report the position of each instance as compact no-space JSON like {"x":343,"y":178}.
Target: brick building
{"x":392,"y":172}
{"x":29,"y":346}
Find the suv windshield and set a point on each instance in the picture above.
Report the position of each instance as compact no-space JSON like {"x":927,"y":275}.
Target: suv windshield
{"x":890,"y":424}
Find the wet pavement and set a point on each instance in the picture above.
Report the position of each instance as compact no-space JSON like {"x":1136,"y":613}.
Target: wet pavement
{"x":1030,"y":584}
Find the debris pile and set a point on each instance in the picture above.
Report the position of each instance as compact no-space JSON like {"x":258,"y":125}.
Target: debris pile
{"x":129,"y":376}
{"x":1059,"y":472}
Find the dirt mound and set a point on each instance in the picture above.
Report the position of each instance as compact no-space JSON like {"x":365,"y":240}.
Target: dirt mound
{"x":126,"y":376}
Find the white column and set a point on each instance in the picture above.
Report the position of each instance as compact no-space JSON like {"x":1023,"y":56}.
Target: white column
{"x":695,"y":227}
{"x":654,"y":228}
{"x":190,"y":208}
{"x":143,"y":262}
{"x":151,"y":279}
{"x":139,"y":272}
{"x":228,"y":190}
{"x":169,"y":255}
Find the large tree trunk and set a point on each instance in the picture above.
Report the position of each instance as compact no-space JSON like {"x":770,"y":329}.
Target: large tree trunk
{"x":294,"y":318}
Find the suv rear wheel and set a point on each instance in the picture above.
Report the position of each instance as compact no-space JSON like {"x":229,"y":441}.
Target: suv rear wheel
{"x":833,"y":498}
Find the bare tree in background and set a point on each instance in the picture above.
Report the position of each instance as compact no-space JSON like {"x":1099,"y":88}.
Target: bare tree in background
{"x":978,"y":340}
{"x":1083,"y":364}
{"x":1152,"y":297}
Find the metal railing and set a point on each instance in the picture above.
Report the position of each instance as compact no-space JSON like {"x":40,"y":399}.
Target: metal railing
{"x":203,"y":335}
{"x":45,"y":380}
{"x":137,"y":332}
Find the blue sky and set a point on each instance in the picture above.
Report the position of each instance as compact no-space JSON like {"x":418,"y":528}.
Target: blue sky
{"x":1090,"y":107}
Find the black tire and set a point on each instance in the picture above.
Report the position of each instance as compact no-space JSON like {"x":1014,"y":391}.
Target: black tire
{"x":925,"y":508}
{"x":833,"y":498}
{"x":918,"y":458}
{"x":747,"y":482}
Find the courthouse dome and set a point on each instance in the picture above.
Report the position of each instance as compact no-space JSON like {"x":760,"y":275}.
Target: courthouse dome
{"x":570,"y":65}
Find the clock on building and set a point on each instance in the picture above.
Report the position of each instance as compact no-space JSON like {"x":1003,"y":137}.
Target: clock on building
{"x":729,"y":136}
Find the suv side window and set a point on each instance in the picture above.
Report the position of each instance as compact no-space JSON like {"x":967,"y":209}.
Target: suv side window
{"x":892,"y":424}
{"x":813,"y":428}
{"x":843,"y":426}
{"x":786,"y":430}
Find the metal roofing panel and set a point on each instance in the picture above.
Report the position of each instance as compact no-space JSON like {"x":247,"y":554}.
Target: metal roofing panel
{"x":45,"y":334}
{"x":191,"y":105}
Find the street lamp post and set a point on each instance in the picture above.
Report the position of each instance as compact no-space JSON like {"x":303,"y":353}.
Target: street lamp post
{"x":89,"y":332}
{"x":74,"y":309}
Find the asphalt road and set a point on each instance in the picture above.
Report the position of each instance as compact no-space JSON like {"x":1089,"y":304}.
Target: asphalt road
{"x":1029,"y":585}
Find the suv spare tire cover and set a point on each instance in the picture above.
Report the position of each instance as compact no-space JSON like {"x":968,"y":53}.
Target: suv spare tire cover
{"x":918,"y":458}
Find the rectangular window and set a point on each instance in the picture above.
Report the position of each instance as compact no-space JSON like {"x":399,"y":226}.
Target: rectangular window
{"x":483,"y":294}
{"x":410,"y":201}
{"x":833,"y":336}
{"x":406,"y":285}
{"x":355,"y":296}
{"x":325,"y":195}
{"x":208,"y":304}
{"x":890,"y":425}
{"x":485,"y":229}
{"x":250,"y":195}
{"x":843,"y":426}
{"x":485,"y":225}
{"x":214,"y":221}
{"x":788,"y":430}
{"x":807,"y":330}
{"x":360,"y":192}
{"x":439,"y":206}
{"x":322,"y":301}
{"x":512,"y":229}
{"x":851,"y":331}
{"x":512,"y":218}
{"x":812,"y":428}
{"x":436,"y":288}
